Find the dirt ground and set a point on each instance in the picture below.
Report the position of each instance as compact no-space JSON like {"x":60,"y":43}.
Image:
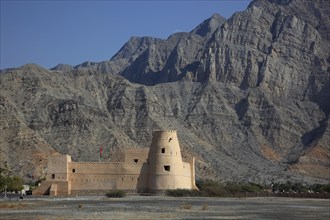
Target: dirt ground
{"x":162,"y":207}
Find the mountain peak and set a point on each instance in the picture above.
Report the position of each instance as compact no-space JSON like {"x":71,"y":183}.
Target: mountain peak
{"x":32,"y":66}
{"x":62,"y":67}
{"x":207,"y":27}
{"x":277,"y":2}
{"x":131,"y":46}
{"x":217,"y":16}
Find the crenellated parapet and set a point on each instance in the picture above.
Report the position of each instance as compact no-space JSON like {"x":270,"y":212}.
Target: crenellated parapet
{"x":165,"y":134}
{"x":102,"y":164}
{"x":169,"y":131}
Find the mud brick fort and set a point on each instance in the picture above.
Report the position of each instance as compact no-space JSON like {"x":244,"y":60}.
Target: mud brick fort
{"x":145,"y":170}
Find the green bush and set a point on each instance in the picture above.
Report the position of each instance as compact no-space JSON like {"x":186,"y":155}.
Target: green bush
{"x":8,"y":180}
{"x":115,"y":193}
{"x":320,"y":188}
{"x":326,"y":188}
{"x":212,"y":188}
{"x":300,"y":187}
{"x":182,"y":193}
{"x":216,"y":189}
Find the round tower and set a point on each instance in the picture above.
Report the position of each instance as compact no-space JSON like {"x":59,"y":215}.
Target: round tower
{"x":165,"y":166}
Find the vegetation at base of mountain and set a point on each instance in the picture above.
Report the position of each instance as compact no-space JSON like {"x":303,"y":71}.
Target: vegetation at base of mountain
{"x":8,"y":181}
{"x":213,"y":188}
{"x":300,"y":187}
{"x":182,"y":193}
{"x":210,"y":188}
{"x":11,"y":183}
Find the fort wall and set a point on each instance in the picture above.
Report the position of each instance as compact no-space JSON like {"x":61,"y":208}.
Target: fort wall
{"x":159,"y":167}
{"x":103,"y":175}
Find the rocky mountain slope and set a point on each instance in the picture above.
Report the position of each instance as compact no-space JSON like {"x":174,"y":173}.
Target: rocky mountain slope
{"x":249,"y":97}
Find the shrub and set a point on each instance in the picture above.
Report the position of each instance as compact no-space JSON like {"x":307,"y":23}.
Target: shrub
{"x":182,"y":193}
{"x":216,"y":189}
{"x":212,"y":189}
{"x":205,"y":207}
{"x":300,"y":187}
{"x":252,"y":187}
{"x":320,"y":188}
{"x":326,"y":188}
{"x":186,"y":206}
{"x":115,"y":194}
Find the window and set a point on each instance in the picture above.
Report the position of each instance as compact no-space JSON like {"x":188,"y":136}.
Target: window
{"x":163,"y":150}
{"x":136,"y":160}
{"x":73,"y":170}
{"x":167,"y":168}
{"x":53,"y":176}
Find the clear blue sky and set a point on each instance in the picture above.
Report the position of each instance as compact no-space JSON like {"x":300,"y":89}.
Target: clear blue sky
{"x":71,"y":32}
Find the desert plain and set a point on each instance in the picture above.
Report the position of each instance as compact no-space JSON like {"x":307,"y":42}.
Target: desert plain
{"x":163,"y":207}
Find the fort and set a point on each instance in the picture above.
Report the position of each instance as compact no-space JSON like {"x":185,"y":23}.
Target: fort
{"x":143,"y":170}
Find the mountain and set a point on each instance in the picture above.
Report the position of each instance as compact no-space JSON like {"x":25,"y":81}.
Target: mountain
{"x":249,"y":97}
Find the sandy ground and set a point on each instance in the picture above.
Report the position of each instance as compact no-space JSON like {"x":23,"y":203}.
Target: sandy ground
{"x":162,"y":207}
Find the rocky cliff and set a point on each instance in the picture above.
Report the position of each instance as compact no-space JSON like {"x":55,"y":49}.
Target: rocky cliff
{"x":249,"y":97}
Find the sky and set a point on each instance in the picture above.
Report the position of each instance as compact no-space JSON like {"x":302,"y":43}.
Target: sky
{"x":74,"y":31}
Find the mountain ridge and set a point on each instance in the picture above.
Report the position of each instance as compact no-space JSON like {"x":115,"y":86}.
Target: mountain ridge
{"x":248,"y":96}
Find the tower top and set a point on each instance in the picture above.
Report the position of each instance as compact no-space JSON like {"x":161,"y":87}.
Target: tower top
{"x":164,"y":134}
{"x":164,"y":131}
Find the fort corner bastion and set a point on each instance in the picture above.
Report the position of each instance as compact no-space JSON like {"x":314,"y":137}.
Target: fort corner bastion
{"x":145,"y":170}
